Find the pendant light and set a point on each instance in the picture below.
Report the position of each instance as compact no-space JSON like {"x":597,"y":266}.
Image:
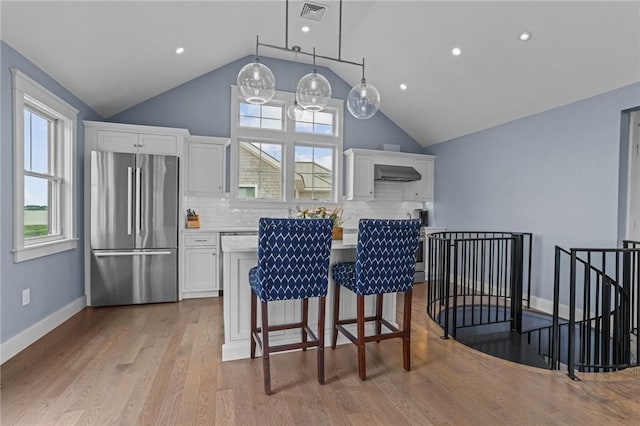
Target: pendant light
{"x":295,"y":111}
{"x":256,"y":82}
{"x":313,"y":91}
{"x":363,"y":100}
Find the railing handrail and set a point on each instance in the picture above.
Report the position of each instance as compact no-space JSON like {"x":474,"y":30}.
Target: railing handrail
{"x":584,"y":262}
{"x":612,"y":323}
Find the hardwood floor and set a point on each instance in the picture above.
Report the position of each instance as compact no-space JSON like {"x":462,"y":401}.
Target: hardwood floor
{"x":161,"y":365}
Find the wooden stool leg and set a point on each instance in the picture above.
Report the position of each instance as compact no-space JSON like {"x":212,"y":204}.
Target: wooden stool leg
{"x":305,"y":320}
{"x":379,"y":314}
{"x":362,"y":367}
{"x":406,"y":339}
{"x":336,"y":315}
{"x":254,"y":322}
{"x":265,"y":349}
{"x":321,"y":312}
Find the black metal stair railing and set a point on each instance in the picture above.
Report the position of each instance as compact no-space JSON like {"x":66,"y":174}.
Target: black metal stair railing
{"x":597,"y":290}
{"x":478,"y":278}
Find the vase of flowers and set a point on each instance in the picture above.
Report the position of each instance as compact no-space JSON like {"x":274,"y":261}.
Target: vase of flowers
{"x":325,"y":213}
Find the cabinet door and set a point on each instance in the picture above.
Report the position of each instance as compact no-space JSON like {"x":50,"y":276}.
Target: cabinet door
{"x":201,"y":267}
{"x":117,"y":141}
{"x":421,"y":190}
{"x":157,"y":144}
{"x":363,"y":178}
{"x":205,"y":168}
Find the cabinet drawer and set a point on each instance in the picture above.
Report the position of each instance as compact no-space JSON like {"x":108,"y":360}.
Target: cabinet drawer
{"x":201,"y":240}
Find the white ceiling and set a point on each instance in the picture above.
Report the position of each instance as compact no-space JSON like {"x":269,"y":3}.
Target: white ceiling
{"x":113,"y":55}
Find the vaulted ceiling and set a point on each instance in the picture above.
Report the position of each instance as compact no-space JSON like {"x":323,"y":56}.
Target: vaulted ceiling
{"x":113,"y":55}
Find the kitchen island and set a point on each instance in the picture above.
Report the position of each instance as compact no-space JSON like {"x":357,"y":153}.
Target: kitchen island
{"x":239,"y":254}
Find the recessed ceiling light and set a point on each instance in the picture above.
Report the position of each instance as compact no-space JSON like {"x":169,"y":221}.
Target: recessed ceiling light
{"x":525,"y":35}
{"x":456,"y":51}
{"x":180,"y":50}
{"x":403,"y":86}
{"x":305,"y":29}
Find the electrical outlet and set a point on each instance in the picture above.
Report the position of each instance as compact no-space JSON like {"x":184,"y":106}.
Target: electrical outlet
{"x":26,"y":296}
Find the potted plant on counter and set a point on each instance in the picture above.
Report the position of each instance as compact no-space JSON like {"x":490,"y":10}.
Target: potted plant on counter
{"x":325,"y":213}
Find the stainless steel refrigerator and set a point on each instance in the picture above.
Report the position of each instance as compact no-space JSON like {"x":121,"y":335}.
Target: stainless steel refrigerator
{"x":134,"y":228}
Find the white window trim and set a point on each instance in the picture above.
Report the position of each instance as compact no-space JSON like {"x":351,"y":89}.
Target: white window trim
{"x":289,"y":137}
{"x":27,"y":91}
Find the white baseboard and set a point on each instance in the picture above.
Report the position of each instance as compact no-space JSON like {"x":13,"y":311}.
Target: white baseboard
{"x":21,"y":341}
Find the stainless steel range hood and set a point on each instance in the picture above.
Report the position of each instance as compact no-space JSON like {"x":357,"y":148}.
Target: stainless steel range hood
{"x":382,"y":172}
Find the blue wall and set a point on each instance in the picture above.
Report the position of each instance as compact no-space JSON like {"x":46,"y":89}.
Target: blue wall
{"x":55,"y":280}
{"x":202,"y":105}
{"x":555,"y":174}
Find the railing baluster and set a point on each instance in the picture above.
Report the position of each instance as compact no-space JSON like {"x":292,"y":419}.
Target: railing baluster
{"x":572,"y":317}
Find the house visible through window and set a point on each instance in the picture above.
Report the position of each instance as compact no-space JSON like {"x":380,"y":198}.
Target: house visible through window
{"x":314,"y":173}
{"x":279,"y":160}
{"x":44,"y":164}
{"x":260,"y":169}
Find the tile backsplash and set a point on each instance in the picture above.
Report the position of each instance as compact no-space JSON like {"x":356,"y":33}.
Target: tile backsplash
{"x":221,"y":212}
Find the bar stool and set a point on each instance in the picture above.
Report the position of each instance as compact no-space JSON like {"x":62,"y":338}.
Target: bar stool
{"x":385,"y":263}
{"x":293,"y":263}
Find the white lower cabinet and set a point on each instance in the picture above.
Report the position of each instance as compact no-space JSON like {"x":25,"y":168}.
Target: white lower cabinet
{"x":201,"y":266}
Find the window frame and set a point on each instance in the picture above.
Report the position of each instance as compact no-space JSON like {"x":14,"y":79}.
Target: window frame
{"x":29,"y":94}
{"x":289,"y":139}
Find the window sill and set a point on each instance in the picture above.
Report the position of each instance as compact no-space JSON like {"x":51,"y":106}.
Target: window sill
{"x":44,"y":249}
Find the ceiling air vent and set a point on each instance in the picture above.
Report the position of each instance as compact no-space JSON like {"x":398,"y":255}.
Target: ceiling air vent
{"x":313,"y":12}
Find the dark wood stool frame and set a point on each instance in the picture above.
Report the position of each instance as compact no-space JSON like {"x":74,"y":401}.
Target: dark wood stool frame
{"x":360,"y":340}
{"x":309,"y":339}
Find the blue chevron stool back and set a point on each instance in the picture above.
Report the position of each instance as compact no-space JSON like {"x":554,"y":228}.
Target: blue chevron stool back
{"x":385,"y":263}
{"x":293,"y":263}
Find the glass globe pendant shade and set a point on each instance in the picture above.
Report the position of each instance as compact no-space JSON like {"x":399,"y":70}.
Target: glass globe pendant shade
{"x":256,"y":83}
{"x":313,"y":92}
{"x":363,"y":100}
{"x":294,"y":112}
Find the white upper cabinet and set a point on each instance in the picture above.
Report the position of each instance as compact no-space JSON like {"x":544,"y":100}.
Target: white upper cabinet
{"x":206,"y":165}
{"x":359,"y":177}
{"x":420,"y":190}
{"x":360,"y":164}
{"x":137,"y":143}
{"x":132,"y":138}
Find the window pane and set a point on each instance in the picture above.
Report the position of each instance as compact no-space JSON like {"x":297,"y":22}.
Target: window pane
{"x":271,"y":112}
{"x":271,"y":124}
{"x":319,"y":123}
{"x":249,"y":121}
{"x":36,"y":207}
{"x":36,"y":141}
{"x":323,"y":118}
{"x":261,"y":116}
{"x":260,"y":168}
{"x":249,"y":110}
{"x":304,"y":127}
{"x":314,"y":173}
{"x":323,"y":129}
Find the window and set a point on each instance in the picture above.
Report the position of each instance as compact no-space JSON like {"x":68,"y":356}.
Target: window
{"x":314,"y":173}
{"x":260,"y":169}
{"x":280,"y":160}
{"x":44,"y":164}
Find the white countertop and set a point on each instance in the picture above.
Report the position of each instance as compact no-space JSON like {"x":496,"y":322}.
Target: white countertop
{"x":219,"y":229}
{"x":244,"y":243}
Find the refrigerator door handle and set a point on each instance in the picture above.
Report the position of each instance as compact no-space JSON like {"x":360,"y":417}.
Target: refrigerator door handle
{"x":129,"y":199}
{"x":132,"y":253}
{"x":138,"y":201}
